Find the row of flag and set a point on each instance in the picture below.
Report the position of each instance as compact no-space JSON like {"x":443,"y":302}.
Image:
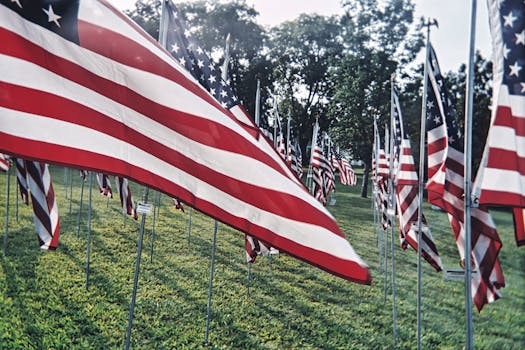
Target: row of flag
{"x":34,"y":182}
{"x":501,"y":177}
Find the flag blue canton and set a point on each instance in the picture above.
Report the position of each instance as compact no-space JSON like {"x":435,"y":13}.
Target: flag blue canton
{"x":512,"y":17}
{"x":58,"y":16}
{"x":185,"y":48}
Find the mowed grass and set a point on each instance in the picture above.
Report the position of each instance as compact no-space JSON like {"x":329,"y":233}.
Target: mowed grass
{"x":288,"y":304}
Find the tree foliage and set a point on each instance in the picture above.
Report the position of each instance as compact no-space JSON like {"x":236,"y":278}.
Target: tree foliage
{"x":377,"y":39}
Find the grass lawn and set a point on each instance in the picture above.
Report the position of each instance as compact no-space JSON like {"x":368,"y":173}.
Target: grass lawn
{"x":289,"y":304}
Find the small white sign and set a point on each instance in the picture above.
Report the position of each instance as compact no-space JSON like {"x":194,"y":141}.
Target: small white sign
{"x":456,"y":274}
{"x":144,"y":208}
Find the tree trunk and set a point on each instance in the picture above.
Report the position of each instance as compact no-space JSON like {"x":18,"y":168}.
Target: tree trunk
{"x":364,"y":186}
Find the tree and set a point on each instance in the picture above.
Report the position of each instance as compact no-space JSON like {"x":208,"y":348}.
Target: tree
{"x":377,"y":41}
{"x":302,"y":52}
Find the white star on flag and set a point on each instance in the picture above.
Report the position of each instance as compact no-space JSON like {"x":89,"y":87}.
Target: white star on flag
{"x":52,"y":16}
{"x":515,"y":69}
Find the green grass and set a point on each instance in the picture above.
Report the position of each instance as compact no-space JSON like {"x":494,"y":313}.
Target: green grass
{"x":44,"y":303}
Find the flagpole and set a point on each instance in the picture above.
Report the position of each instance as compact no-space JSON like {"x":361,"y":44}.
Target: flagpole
{"x":309,"y":181}
{"x":393,"y":210}
{"x":16,"y":198}
{"x":189,"y":225}
{"x":257,"y":122}
{"x":422,"y":142}
{"x":65,"y":182}
{"x":467,"y":177}
{"x":6,"y":209}
{"x":80,"y":207}
{"x":70,"y":189}
{"x":210,"y":283}
{"x":140,"y":239}
{"x":155,"y":213}
{"x":258,"y":104}
{"x":385,"y":231}
{"x":88,"y":245}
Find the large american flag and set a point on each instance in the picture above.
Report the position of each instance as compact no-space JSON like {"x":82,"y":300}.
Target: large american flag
{"x":83,"y":85}
{"x":445,"y":189}
{"x":501,"y":177}
{"x":407,"y":194}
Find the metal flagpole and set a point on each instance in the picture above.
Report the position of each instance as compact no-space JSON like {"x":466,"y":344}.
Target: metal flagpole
{"x":385,"y":231}
{"x":6,"y":222}
{"x":140,"y":239}
{"x":16,"y":198}
{"x":257,"y":122}
{"x":155,"y":213}
{"x":392,"y":209}
{"x":70,"y":189}
{"x":210,"y":283}
{"x":88,"y":245}
{"x":189,"y":224}
{"x":65,"y":182}
{"x":309,"y":181}
{"x":224,"y":69}
{"x":467,"y":178}
{"x":80,"y":206}
{"x":422,"y":143}
{"x":258,"y":104}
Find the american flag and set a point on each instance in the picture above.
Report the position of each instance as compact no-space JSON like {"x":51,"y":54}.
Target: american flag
{"x":321,"y":167}
{"x":407,"y":194}
{"x":178,"y":204}
{"x":104,"y":185}
{"x":445,"y":189}
{"x":4,"y":162}
{"x":21,"y":179}
{"x":85,"y":86}
{"x":126,"y":199}
{"x":255,"y":247}
{"x":501,"y":176}
{"x":45,"y":210}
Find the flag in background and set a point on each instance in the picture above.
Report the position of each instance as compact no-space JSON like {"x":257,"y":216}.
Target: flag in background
{"x":445,"y":189}
{"x":407,"y":194}
{"x":126,"y":199}
{"x":321,"y":166}
{"x":104,"y":185}
{"x":501,"y":175}
{"x":96,"y":92}
{"x":4,"y":162}
{"x":45,"y":210}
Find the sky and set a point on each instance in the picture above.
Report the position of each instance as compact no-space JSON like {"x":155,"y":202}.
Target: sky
{"x":450,"y":40}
